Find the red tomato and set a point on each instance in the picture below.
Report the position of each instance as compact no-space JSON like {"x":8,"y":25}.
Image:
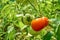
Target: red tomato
{"x":39,"y":23}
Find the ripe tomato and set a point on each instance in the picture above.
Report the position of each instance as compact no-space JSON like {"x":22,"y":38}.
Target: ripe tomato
{"x":39,"y":23}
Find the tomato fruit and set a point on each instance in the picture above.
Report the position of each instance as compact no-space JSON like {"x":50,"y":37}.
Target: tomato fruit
{"x":39,"y":23}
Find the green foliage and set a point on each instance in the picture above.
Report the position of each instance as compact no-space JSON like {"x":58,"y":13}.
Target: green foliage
{"x":47,"y":36}
{"x":58,"y":33}
{"x":16,"y":17}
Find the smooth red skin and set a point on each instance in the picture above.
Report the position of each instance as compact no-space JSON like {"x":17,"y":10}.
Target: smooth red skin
{"x":39,"y":23}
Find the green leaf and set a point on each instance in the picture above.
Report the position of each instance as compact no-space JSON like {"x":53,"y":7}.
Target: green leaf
{"x":59,"y":1}
{"x":34,"y":4}
{"x":10,"y":35}
{"x":47,"y":36}
{"x":20,"y":1}
{"x":58,"y":33}
{"x":12,"y":0}
{"x":21,"y":24}
{"x":4,"y":1}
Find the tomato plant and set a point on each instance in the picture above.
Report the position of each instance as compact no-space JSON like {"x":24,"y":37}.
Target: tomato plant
{"x":29,"y":19}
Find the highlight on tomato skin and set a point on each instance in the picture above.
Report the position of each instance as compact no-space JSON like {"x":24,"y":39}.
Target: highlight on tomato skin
{"x":46,"y":20}
{"x":39,"y":23}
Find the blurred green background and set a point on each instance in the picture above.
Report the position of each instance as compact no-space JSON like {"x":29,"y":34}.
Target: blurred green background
{"x":16,"y":16}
